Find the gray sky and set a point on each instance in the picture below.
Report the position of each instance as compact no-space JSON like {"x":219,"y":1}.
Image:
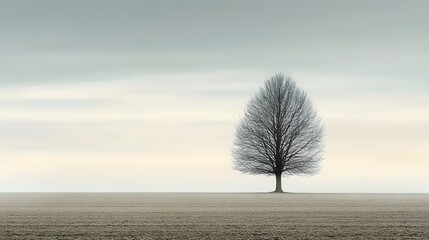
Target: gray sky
{"x":145,"y":95}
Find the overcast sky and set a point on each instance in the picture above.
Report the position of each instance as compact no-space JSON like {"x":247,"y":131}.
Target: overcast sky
{"x":145,"y":95}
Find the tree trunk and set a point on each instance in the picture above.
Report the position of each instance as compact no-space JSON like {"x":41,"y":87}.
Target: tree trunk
{"x":278,"y":184}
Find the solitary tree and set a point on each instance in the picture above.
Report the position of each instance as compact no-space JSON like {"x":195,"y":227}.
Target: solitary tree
{"x":280,"y":132}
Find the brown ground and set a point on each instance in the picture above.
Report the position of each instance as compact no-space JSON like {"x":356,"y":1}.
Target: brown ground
{"x":213,"y":216}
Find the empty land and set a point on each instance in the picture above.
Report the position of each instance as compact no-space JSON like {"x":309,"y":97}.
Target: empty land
{"x":213,"y":216}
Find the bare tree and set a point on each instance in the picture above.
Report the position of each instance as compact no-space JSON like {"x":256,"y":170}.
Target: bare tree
{"x":280,"y":133}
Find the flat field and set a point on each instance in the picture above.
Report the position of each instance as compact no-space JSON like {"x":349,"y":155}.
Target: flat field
{"x":213,"y":216}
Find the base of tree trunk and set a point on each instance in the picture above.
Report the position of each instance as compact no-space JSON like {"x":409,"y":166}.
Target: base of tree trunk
{"x":278,"y":184}
{"x":277,"y":191}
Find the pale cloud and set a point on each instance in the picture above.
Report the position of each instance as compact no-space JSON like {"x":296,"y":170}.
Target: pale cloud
{"x":124,"y":133}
